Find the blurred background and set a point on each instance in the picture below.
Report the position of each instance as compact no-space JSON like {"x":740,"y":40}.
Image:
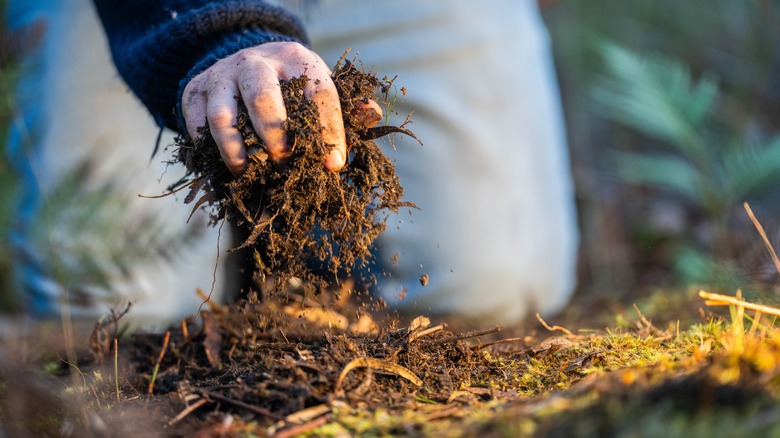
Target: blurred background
{"x":672,"y":113}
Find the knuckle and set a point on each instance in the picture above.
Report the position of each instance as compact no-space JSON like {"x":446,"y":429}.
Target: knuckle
{"x":246,"y":55}
{"x":294,"y":48}
{"x":221,"y":118}
{"x":263,"y":100}
{"x":323,"y":90}
{"x":235,"y":164}
{"x":191,"y":95}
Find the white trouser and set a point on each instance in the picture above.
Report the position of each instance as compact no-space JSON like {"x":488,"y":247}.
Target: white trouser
{"x":496,"y":230}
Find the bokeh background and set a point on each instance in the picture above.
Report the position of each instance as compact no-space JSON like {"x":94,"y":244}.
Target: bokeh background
{"x":672,"y":114}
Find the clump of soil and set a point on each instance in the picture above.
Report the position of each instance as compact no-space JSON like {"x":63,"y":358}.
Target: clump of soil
{"x":298,"y":217}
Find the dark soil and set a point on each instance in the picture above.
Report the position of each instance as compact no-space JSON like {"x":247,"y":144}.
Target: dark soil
{"x":264,"y":361}
{"x":298,"y":219}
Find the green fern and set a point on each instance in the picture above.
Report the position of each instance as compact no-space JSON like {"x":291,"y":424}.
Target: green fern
{"x":659,"y":98}
{"x":90,"y":237}
{"x":707,"y":162}
{"x":656,"y":96}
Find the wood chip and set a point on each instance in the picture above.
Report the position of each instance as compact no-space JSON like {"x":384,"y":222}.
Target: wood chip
{"x":213,"y":341}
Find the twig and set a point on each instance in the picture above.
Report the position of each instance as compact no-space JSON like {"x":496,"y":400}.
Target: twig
{"x":761,"y":231}
{"x":169,"y":193}
{"x":256,"y":409}
{"x":299,"y":429}
{"x":159,"y":361}
{"x":116,"y":368}
{"x":553,"y":328}
{"x":428,"y":331}
{"x":308,"y":414}
{"x":187,"y":411}
{"x":648,"y":325}
{"x":467,"y":335}
{"x":207,"y":299}
{"x":373,"y":363}
{"x":489,"y":344}
{"x":756,"y":323}
{"x":725,"y":300}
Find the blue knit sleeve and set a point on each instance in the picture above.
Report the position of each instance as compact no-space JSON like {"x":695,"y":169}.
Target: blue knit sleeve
{"x":159,"y":45}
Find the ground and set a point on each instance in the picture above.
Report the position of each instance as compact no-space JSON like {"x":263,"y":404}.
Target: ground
{"x":284,"y":369}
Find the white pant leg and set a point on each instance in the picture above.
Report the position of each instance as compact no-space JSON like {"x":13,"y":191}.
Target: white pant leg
{"x":78,"y":109}
{"x":496,"y":230}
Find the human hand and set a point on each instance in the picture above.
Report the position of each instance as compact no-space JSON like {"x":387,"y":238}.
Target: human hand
{"x":253,"y":74}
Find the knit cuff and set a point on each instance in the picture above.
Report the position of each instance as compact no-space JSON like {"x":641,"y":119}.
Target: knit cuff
{"x":157,"y":63}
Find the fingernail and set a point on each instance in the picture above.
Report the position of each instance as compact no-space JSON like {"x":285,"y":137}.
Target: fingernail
{"x":335,"y":160}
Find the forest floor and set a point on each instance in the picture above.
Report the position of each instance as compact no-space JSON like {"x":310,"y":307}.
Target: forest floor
{"x":676,"y":368}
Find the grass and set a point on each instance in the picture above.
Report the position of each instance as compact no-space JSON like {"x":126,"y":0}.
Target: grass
{"x":639,"y":382}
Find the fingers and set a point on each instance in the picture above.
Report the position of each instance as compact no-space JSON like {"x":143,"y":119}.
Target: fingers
{"x":193,"y":106}
{"x":326,"y":97}
{"x":262,"y":95}
{"x":322,"y":91}
{"x":254,"y":74}
{"x":221,"y":112}
{"x":212,"y":101}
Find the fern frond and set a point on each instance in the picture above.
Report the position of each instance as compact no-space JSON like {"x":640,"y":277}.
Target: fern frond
{"x":655,"y":95}
{"x":91,"y":238}
{"x":751,"y":168}
{"x":660,"y":170}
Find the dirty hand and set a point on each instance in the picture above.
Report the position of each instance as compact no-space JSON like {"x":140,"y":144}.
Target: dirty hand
{"x":253,"y":74}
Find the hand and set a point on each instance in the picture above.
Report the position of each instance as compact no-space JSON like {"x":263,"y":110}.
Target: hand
{"x":253,"y":74}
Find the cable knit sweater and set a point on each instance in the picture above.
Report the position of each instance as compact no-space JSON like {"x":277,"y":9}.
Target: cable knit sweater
{"x":159,"y":45}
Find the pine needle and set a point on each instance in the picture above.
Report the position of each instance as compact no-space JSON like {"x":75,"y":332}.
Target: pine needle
{"x":379,"y":364}
{"x":159,"y":361}
{"x":555,"y":327}
{"x":116,"y":368}
{"x":713,"y":299}
{"x":764,"y":237}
